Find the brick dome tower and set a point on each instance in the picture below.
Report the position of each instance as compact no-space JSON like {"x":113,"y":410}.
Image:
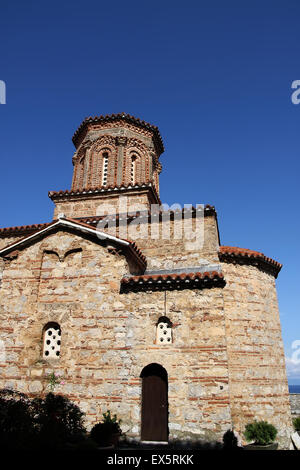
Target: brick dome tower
{"x":115,"y":154}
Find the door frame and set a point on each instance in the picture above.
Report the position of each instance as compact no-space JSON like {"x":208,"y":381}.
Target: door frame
{"x":154,"y":369}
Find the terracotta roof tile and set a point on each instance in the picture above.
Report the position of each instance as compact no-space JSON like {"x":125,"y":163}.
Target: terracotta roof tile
{"x":99,"y":190}
{"x":8,"y":231}
{"x":197,"y":280}
{"x":118,"y":117}
{"x":233,"y":254}
{"x":132,"y":245}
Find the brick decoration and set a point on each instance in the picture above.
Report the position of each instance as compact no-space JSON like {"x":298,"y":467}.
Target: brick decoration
{"x":117,"y":118}
{"x":103,"y":137}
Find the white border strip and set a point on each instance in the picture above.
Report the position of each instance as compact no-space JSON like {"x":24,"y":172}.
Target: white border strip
{"x":165,"y":443}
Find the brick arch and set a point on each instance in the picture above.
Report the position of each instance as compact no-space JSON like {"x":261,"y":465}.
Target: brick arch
{"x":103,"y":145}
{"x":143,"y":164}
{"x":153,"y":356}
{"x":138,"y":166}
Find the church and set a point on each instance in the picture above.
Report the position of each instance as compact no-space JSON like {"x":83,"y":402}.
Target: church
{"x":140,"y":309}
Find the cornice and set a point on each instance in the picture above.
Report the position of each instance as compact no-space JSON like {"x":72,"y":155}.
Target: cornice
{"x":235,"y":255}
{"x":82,"y":129}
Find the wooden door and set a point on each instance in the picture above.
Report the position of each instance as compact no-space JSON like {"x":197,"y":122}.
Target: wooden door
{"x":154,"y":403}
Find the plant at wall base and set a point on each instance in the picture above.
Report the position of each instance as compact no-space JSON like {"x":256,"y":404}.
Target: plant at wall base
{"x":296,"y":423}
{"x":17,"y":420}
{"x":58,"y":420}
{"x":108,"y":431}
{"x":34,"y":423}
{"x":54,"y":379}
{"x":261,"y":432}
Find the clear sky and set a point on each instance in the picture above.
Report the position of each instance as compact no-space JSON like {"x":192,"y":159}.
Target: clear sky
{"x":214,"y":76}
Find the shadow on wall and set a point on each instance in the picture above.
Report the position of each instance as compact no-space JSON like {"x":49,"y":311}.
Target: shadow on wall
{"x":54,"y":422}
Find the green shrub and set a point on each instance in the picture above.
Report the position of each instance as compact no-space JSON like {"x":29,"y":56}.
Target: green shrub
{"x":102,"y":432}
{"x":296,"y":423}
{"x":17,"y":424}
{"x":260,"y":432}
{"x":58,"y":420}
{"x":27,"y":423}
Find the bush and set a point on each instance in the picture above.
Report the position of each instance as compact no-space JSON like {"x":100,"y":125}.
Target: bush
{"x":58,"y":421}
{"x":102,"y":432}
{"x":261,"y":432}
{"x":41,"y":422}
{"x":17,"y":424}
{"x":296,"y":423}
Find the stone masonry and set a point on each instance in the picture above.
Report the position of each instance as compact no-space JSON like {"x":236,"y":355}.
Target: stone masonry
{"x":225,"y":364}
{"x":295,"y":404}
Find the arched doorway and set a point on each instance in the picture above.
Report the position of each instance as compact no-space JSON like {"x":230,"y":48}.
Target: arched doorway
{"x":154,"y":403}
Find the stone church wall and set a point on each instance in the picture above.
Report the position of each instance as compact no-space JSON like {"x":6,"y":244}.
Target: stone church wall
{"x":258,"y":384}
{"x":226,"y":363}
{"x":4,"y":241}
{"x":108,"y":337}
{"x":91,"y":207}
{"x":167,"y":253}
{"x":177,"y":253}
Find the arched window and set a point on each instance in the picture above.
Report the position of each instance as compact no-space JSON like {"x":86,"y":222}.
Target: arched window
{"x":133,"y":169}
{"x":51,"y":341}
{"x":104,"y":168}
{"x":164,"y":331}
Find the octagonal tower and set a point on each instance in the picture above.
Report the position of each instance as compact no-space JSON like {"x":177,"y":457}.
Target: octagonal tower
{"x":115,"y":155}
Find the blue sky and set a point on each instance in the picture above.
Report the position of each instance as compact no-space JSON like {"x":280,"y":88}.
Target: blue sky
{"x":214,"y":76}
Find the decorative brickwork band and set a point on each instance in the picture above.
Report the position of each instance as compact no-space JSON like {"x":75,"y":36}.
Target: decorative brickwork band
{"x":111,"y":118}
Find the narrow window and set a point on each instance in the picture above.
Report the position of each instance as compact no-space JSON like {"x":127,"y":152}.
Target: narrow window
{"x":104,"y":168}
{"x":133,"y":169}
{"x":52,"y":340}
{"x":164,"y":331}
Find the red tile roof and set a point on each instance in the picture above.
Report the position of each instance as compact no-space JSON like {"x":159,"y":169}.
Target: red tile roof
{"x":118,"y":117}
{"x":198,"y":280}
{"x":132,"y":247}
{"x":86,"y":191}
{"x":233,"y":254}
{"x":22,"y":229}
